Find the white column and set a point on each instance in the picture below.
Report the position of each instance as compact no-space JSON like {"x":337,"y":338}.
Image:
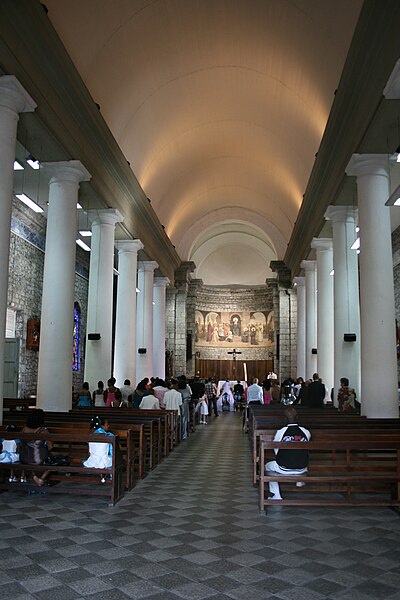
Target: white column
{"x":13,"y":100}
{"x":346,"y":296}
{"x":325,"y":335}
{"x":378,"y":339}
{"x":144,"y":335}
{"x":301,"y":326}
{"x":100,"y":296}
{"x":311,"y":332}
{"x":57,"y":317}
{"x":159,"y":311}
{"x":125,"y":322}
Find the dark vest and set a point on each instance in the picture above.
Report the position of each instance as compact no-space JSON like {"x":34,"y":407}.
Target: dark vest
{"x":293,"y":459}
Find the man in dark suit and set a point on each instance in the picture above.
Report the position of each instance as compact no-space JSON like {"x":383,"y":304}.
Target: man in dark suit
{"x":316,"y":393}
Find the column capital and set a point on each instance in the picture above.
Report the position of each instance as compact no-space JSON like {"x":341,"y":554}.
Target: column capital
{"x":182,"y":273}
{"x":105,"y":216}
{"x":161,"y":281}
{"x":284,"y":274}
{"x":368,"y":164}
{"x":66,"y":170}
{"x":147,"y":265}
{"x":341,"y":214}
{"x":14,"y":96}
{"x":299,"y":281}
{"x":391,"y":91}
{"x":308,"y":265}
{"x":322,"y":244}
{"x":129,"y":246}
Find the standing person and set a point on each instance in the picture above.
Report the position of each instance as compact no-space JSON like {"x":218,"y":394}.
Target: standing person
{"x":346,"y":396}
{"x":267,"y":391}
{"x":316,"y":393}
{"x":98,"y":395}
{"x":35,"y":452}
{"x":84,"y":396}
{"x":140,"y":392}
{"x":127,"y":392}
{"x":183,"y":389}
{"x":172,"y":398}
{"x":226,"y":392}
{"x":203,"y":409}
{"x":109,"y":394}
{"x":210,"y":390}
{"x":255,"y":393}
{"x":275,"y":391}
{"x":289,"y":462}
{"x":159,"y":390}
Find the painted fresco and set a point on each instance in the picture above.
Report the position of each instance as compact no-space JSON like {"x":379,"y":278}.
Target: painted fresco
{"x":243,"y":329}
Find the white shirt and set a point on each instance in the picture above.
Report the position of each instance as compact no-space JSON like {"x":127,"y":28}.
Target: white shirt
{"x":150,"y":403}
{"x":126,"y":391}
{"x":172,"y":400}
{"x":255,"y":393}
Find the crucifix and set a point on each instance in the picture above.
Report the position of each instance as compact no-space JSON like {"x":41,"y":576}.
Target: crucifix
{"x":234,"y":352}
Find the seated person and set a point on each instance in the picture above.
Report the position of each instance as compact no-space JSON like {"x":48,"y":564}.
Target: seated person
{"x":100,"y":453}
{"x":289,"y":462}
{"x":35,"y":452}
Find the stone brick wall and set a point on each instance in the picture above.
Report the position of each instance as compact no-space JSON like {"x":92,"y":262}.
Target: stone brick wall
{"x":26,"y":263}
{"x":396,"y":278}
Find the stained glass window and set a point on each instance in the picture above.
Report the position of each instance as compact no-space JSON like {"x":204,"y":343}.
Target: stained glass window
{"x":76,"y":338}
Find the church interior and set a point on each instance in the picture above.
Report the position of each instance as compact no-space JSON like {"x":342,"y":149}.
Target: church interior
{"x":191,"y":191}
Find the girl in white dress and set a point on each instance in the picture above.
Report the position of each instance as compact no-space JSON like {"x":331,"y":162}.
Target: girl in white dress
{"x":203,"y":410}
{"x":100,"y":453}
{"x":10,"y":452}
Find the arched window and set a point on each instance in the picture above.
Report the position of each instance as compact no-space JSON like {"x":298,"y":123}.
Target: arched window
{"x":76,"y":337}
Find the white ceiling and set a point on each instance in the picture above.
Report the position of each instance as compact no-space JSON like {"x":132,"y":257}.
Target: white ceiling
{"x":219,"y":106}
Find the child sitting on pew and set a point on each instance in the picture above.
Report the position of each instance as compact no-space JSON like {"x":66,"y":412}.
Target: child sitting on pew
{"x":10,"y":452}
{"x":100,"y":453}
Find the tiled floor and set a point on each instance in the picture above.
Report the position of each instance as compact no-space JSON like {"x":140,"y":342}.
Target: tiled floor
{"x":192,"y":530}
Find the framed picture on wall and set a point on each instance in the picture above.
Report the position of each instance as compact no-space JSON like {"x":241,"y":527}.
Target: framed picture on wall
{"x":33,"y":334}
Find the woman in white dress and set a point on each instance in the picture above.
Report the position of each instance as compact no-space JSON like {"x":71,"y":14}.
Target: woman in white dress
{"x":100,"y":453}
{"x":98,"y":395}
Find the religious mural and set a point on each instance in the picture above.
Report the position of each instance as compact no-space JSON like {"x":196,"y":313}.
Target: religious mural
{"x":234,"y":329}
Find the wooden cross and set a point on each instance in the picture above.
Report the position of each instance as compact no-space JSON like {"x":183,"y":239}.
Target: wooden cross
{"x":234,"y":352}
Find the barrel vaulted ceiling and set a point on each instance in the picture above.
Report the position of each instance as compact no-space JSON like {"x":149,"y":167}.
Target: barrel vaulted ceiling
{"x":219,"y":106}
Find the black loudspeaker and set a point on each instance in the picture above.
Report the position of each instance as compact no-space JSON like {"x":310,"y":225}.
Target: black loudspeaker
{"x":350,"y":337}
{"x":94,"y":336}
{"x":314,"y":351}
{"x":189,"y":353}
{"x":142,"y":350}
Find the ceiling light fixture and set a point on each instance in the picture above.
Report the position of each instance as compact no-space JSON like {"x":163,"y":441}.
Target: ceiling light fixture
{"x":356,"y":244}
{"x":83,"y":245}
{"x":85,"y":233}
{"x":78,"y":206}
{"x":332,"y":272}
{"x":18,"y":166}
{"x":137,"y":289}
{"x":29,"y":202}
{"x":394,"y":198}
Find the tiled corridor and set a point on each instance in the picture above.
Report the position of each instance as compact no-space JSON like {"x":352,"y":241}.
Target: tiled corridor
{"x":192,"y":530}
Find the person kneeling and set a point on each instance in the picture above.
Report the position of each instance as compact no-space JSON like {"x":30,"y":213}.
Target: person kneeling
{"x":289,"y":462}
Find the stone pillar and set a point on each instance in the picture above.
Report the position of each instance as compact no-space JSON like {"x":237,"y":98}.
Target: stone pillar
{"x":194,"y":286}
{"x":57,"y":317}
{"x":286,"y":319}
{"x":311,"y":330}
{"x":346,"y":296}
{"x":144,"y":320}
{"x":100,"y":297}
{"x":379,"y":396}
{"x":170,"y":328}
{"x":13,"y":100}
{"x":324,"y":248}
{"x":159,"y":310}
{"x":182,"y":278}
{"x":125,"y":321}
{"x":301,"y":326}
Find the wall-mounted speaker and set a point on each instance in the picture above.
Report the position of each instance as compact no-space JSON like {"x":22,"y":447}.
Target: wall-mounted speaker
{"x":142,"y":350}
{"x":350,"y":337}
{"x":94,"y":336}
{"x":314,"y":351}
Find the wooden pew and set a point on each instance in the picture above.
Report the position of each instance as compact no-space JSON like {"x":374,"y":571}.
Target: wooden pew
{"x":62,"y":479}
{"x":344,"y":467}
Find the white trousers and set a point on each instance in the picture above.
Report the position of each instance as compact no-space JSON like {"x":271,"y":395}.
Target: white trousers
{"x":274,"y":485}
